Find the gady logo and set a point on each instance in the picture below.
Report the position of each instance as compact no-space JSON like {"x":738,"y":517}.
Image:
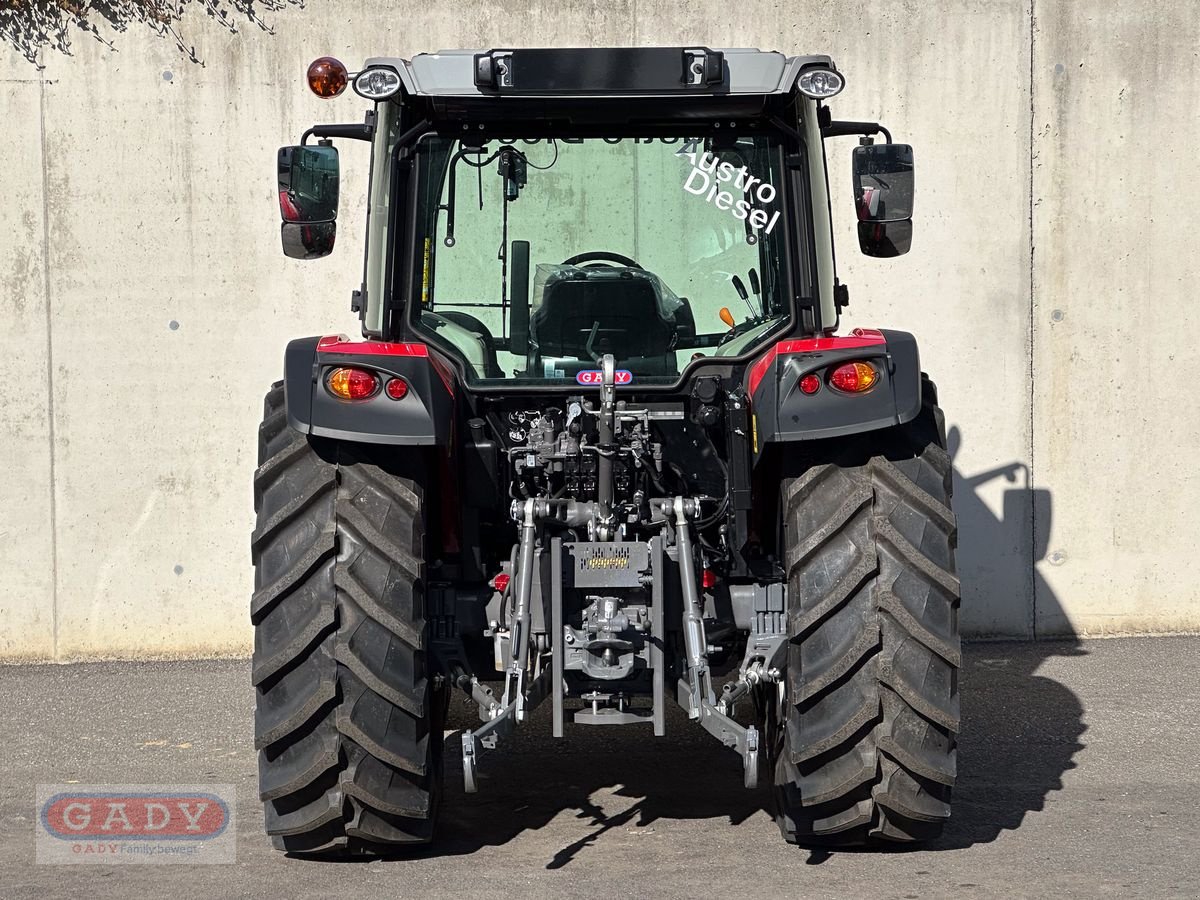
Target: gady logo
{"x":138,"y":824}
{"x":596,"y":377}
{"x":131,"y":817}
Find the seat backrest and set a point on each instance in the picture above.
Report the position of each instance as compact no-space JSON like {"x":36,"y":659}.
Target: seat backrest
{"x":624,"y":310}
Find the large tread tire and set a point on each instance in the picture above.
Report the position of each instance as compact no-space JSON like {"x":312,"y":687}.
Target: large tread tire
{"x":865,"y":749}
{"x":347,"y":725}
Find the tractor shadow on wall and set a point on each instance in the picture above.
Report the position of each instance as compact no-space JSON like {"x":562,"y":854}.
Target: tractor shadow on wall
{"x":1020,"y":733}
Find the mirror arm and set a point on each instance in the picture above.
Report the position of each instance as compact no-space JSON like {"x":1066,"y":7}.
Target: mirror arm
{"x":363,"y":132}
{"x":841,"y":129}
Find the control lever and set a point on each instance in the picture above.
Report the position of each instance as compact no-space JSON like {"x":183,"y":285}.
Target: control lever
{"x":588,"y":346}
{"x":756,"y":287}
{"x":741,"y":289}
{"x":574,"y":411}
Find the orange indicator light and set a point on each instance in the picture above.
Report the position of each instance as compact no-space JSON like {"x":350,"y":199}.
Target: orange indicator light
{"x":352,"y":384}
{"x":327,"y":77}
{"x":854,"y":377}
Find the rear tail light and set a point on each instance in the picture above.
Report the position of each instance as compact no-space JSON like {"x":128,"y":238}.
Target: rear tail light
{"x":396,"y":388}
{"x":353,"y":384}
{"x":708,"y":579}
{"x":810,"y":384}
{"x":500,"y":582}
{"x":854,"y":377}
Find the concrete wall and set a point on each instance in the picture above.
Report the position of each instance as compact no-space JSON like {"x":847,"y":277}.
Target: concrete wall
{"x":144,"y":303}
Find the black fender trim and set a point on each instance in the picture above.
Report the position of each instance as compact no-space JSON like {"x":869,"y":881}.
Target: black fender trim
{"x":422,"y":418}
{"x":782,"y":413}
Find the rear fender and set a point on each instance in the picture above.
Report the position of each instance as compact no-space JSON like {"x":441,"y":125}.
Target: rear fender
{"x":782,"y":413}
{"x":422,"y":417}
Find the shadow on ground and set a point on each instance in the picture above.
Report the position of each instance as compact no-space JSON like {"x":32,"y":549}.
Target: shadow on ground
{"x":1020,"y":733}
{"x":1020,"y":730}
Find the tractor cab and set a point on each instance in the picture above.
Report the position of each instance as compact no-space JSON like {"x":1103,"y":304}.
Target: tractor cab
{"x":532,"y":210}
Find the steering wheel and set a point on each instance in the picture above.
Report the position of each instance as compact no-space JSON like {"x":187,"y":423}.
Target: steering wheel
{"x":600,"y":255}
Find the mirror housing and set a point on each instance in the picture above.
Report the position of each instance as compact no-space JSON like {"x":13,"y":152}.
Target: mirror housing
{"x":883,"y":198}
{"x":308,"y":200}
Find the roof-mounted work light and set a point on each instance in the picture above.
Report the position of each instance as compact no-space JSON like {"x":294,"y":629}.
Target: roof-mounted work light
{"x":820,"y":84}
{"x":327,"y":77}
{"x":377,"y":84}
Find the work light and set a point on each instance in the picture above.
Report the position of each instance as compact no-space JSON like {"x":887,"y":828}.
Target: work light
{"x":377,"y":84}
{"x":820,"y":84}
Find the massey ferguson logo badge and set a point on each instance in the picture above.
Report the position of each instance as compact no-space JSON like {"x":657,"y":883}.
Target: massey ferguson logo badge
{"x":590,"y":377}
{"x":130,"y":824}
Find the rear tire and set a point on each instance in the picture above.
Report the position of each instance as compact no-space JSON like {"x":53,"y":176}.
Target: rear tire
{"x":346,"y":723}
{"x":863,"y":745}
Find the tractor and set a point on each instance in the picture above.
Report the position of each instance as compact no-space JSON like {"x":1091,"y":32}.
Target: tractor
{"x":600,"y":446}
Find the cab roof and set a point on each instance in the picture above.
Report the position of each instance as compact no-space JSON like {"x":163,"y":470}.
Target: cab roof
{"x":595,"y":73}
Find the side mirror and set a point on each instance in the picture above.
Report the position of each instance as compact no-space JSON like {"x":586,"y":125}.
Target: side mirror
{"x":308,"y":200}
{"x":885,"y":239}
{"x":883,"y":198}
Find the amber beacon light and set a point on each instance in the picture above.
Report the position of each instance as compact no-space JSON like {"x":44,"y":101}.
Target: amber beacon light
{"x":327,"y":77}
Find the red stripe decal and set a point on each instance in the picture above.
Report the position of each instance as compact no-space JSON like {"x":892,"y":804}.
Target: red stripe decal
{"x":339,"y":343}
{"x":859,"y":337}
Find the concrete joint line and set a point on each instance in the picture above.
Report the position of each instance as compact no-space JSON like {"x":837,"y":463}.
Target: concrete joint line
{"x":49,"y":357}
{"x":1033,"y":598}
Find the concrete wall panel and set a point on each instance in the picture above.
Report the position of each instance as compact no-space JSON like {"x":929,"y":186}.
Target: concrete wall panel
{"x":26,"y":498}
{"x":1117,"y":114}
{"x":952,"y":79}
{"x":176,"y":302}
{"x":170,"y":302}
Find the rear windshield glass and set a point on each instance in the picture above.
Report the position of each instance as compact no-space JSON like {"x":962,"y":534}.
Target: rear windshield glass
{"x":541,"y":255}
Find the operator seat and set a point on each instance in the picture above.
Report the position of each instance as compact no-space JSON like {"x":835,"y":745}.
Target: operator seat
{"x":621,"y":303}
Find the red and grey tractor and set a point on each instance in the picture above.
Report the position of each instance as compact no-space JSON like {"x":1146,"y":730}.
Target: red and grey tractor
{"x":601,"y":447}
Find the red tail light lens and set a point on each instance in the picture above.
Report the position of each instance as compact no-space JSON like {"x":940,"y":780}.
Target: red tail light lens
{"x":708,"y":579}
{"x":854,"y":377}
{"x":810,"y":384}
{"x":500,"y":582}
{"x":396,"y":388}
{"x":352,"y":384}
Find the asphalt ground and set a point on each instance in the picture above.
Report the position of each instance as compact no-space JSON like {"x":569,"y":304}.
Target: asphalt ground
{"x":1078,"y":776}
